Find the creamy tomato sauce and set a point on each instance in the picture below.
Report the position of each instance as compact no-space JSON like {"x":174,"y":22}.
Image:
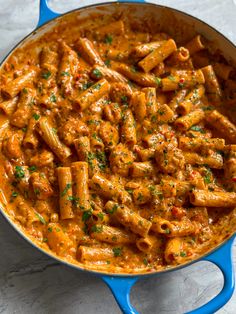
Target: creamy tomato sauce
{"x":118,"y":144}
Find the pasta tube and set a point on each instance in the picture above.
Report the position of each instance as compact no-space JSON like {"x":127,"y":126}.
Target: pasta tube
{"x":111,"y":235}
{"x":213,"y":199}
{"x":65,"y":188}
{"x":214,"y":160}
{"x":212,"y":85}
{"x":51,"y":138}
{"x":15,"y":86}
{"x":128,"y":130}
{"x":21,"y":116}
{"x":93,"y":254}
{"x":222,"y":123}
{"x":92,"y":94}
{"x":187,"y":121}
{"x":99,"y":72}
{"x":80,"y":179}
{"x":158,"y":55}
{"x":86,"y":48}
{"x":129,"y":218}
{"x":180,"y":228}
{"x":195,"y":45}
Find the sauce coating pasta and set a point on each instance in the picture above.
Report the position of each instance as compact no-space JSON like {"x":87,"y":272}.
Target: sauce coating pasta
{"x":118,"y":150}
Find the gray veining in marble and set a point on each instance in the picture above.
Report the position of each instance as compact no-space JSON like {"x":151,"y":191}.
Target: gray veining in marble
{"x":30,"y":282}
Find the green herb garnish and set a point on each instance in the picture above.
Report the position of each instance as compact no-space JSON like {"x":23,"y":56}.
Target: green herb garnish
{"x":64,"y":73}
{"x":108,"y":39}
{"x":97,"y":229}
{"x":19,"y":172}
{"x":40,"y":218}
{"x":198,"y":129}
{"x":36,"y":116}
{"x":86,"y":215}
{"x":113,"y":210}
{"x":46,"y":75}
{"x":117,"y":251}
{"x":53,"y":98}
{"x":68,"y":186}
{"x":97,"y":73}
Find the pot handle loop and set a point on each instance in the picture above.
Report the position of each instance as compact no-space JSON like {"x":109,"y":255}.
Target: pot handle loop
{"x":120,"y":288}
{"x":222,"y":258}
{"x":45,"y":13}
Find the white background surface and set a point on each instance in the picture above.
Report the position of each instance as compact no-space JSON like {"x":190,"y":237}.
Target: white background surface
{"x":30,"y":282}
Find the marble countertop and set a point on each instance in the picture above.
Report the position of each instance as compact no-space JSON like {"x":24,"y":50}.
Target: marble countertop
{"x":30,"y":282}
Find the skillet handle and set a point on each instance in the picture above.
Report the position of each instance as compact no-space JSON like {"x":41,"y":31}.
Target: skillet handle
{"x":223,"y":259}
{"x":45,"y":13}
{"x":120,"y":288}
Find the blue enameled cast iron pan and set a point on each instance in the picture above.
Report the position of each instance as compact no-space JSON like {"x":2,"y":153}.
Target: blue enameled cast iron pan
{"x":221,"y":256}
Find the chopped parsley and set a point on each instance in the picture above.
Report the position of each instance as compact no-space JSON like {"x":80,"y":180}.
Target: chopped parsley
{"x":97,"y":73}
{"x":36,"y":116}
{"x":14,"y":194}
{"x":133,"y":68}
{"x":107,"y":63}
{"x":86,"y":85}
{"x":97,"y":229}
{"x":207,"y":177}
{"x":155,"y":192}
{"x":101,"y":216}
{"x":171,"y":78}
{"x":86,"y":215}
{"x":24,"y":130}
{"x":19,"y":172}
{"x":158,"y":80}
{"x":64,"y":73}
{"x":46,"y":75}
{"x":145,"y":261}
{"x":183,"y":254}
{"x":50,"y":229}
{"x":167,"y":231}
{"x":100,"y":157}
{"x":130,"y":191}
{"x":165,"y":157}
{"x":113,"y":210}
{"x":96,"y":122}
{"x":32,"y":168}
{"x":160,"y":112}
{"x":140,"y":197}
{"x":53,"y":98}
{"x":153,"y":118}
{"x":40,"y":218}
{"x":96,"y":86}
{"x":74,"y":200}
{"x":124,"y":100}
{"x":68,"y":186}
{"x":117,"y":251}
{"x":207,"y":108}
{"x":94,"y":135}
{"x":198,"y":129}
{"x":108,"y":39}
{"x":36,"y":191}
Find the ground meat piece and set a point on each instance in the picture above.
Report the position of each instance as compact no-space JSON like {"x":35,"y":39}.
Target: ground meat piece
{"x":169,"y":158}
{"x":71,"y":129}
{"x":121,"y":159}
